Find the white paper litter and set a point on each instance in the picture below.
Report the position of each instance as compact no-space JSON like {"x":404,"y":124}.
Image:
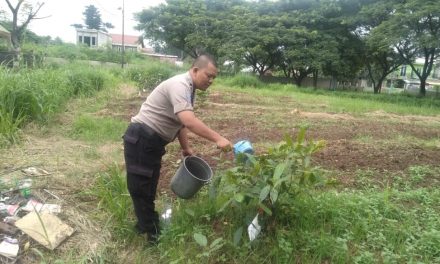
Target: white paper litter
{"x":254,"y":229}
{"x":167,"y":214}
{"x":9,"y":248}
{"x":39,"y":207}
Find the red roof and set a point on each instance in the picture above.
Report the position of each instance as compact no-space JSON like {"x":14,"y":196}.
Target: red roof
{"x":128,"y":40}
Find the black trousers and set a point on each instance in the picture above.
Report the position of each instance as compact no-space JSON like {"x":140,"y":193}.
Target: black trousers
{"x":143,"y":151}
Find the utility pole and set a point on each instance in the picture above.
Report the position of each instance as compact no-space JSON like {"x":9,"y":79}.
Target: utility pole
{"x":123,"y":44}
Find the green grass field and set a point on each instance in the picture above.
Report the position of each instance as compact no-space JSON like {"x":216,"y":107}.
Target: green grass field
{"x":377,"y":200}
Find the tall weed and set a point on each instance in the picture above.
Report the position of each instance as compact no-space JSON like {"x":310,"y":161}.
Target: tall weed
{"x":148,"y":77}
{"x":245,"y":80}
{"x":36,"y":95}
{"x":9,"y":128}
{"x":110,"y":188}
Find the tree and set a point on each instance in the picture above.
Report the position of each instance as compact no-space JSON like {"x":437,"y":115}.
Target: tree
{"x":77,"y":25}
{"x":92,"y":17}
{"x":414,"y":31}
{"x":193,"y":26}
{"x":92,"y":20}
{"x":106,"y":26}
{"x":380,"y":59}
{"x":22,"y":11}
{"x":305,"y":46}
{"x":261,"y":46}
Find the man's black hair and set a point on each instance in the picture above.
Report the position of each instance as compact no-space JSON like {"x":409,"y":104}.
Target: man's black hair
{"x":203,"y":60}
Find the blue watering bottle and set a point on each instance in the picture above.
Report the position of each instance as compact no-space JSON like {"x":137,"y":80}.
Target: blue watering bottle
{"x":242,"y":147}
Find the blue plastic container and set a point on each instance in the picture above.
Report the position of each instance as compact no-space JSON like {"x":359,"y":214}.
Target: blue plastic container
{"x":242,"y":147}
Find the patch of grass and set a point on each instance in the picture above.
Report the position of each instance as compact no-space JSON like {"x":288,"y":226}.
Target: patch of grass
{"x":114,"y":202}
{"x":245,"y":81}
{"x":419,"y":173}
{"x":149,"y":76}
{"x":368,"y":139}
{"x":9,"y":128}
{"x":94,"y":129}
{"x":37,"y":95}
{"x":341,"y":101}
{"x":347,"y":227}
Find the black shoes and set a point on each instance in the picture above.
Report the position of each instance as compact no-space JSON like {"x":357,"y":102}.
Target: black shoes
{"x":152,"y":234}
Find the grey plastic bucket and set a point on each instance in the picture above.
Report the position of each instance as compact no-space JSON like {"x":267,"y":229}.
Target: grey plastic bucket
{"x":192,"y":174}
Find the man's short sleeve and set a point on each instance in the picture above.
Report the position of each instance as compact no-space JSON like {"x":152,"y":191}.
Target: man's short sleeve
{"x":181,"y":98}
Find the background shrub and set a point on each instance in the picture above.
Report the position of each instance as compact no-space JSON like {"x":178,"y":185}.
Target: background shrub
{"x":245,"y":80}
{"x":148,"y":77}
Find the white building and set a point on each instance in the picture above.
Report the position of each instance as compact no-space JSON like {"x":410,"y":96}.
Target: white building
{"x":92,"y":37}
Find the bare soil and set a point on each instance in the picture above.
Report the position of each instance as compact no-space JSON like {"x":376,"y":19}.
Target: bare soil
{"x":237,"y":116}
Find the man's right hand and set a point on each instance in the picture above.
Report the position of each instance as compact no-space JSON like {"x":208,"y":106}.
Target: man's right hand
{"x":224,"y":144}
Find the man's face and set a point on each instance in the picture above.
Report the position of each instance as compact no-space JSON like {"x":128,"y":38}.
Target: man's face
{"x":205,"y":76}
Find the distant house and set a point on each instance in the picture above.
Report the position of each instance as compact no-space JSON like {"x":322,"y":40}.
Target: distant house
{"x":405,"y":72}
{"x":411,"y":82}
{"x":149,"y":52}
{"x":131,"y":43}
{"x":92,"y":37}
{"x":5,"y":34}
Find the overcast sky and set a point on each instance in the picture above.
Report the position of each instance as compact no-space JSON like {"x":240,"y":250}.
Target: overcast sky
{"x":63,"y":13}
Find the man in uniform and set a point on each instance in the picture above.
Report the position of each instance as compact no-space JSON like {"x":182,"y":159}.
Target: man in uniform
{"x":166,"y":114}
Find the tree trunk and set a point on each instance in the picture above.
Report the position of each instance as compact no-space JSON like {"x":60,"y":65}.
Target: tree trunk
{"x":422,"y":86}
{"x":377,"y":87}
{"x":315,"y":79}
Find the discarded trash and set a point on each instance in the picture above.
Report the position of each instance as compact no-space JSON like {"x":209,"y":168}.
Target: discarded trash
{"x":167,"y":214}
{"x":53,"y":195}
{"x":7,"y":229}
{"x":25,"y":187}
{"x":10,"y":219}
{"x":254,"y":229}
{"x":47,"y":229}
{"x":32,"y":171}
{"x":10,"y":209}
{"x":9,"y":247}
{"x":40,"y":207}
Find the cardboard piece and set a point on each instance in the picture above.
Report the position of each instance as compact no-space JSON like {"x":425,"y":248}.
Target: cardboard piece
{"x":49,"y":232}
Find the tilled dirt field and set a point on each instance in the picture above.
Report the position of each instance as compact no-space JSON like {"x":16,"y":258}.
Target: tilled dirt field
{"x":375,"y":141}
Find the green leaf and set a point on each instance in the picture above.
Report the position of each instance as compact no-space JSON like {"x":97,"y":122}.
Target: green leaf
{"x":264,"y":192}
{"x":225,"y":205}
{"x":237,"y":236}
{"x":216,"y":243}
{"x":190,"y":212}
{"x":265,"y":209}
{"x":278,"y":171}
{"x":239,"y":197}
{"x":251,"y":158}
{"x":273,"y":195}
{"x":301,"y":135}
{"x":201,"y":239}
{"x":307,"y":161}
